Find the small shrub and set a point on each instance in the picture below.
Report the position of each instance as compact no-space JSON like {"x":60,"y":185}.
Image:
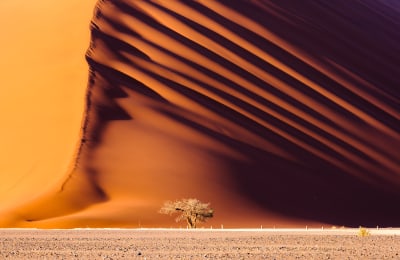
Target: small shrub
{"x":363,"y":232}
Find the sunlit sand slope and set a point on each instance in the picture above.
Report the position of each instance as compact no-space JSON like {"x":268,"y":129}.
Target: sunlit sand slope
{"x":277,"y":112}
{"x":43,"y":75}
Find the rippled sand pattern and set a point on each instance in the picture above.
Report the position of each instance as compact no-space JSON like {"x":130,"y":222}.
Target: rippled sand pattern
{"x":287,"y":111}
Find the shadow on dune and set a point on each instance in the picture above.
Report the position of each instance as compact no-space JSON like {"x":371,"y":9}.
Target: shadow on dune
{"x":314,"y":189}
{"x":345,"y":169}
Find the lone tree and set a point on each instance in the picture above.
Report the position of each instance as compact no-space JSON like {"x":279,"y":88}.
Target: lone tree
{"x":192,"y":210}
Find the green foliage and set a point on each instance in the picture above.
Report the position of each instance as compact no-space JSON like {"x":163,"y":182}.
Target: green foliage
{"x":191,"y":210}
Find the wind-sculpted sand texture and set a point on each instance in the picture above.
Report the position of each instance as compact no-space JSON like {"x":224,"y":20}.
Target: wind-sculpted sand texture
{"x":169,"y":244}
{"x":276,"y":112}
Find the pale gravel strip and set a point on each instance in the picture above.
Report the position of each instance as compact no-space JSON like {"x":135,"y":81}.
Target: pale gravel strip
{"x":198,"y":244}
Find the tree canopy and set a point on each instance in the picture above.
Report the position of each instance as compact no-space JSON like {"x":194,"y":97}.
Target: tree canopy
{"x":191,"y":210}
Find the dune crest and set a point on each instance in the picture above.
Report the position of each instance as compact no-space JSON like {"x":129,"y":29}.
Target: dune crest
{"x":276,"y":112}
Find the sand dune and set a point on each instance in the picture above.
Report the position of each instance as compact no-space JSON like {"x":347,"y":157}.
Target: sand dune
{"x":278,"y":113}
{"x":43,"y":83}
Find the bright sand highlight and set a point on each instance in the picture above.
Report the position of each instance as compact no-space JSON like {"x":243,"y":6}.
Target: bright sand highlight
{"x":43,"y":83}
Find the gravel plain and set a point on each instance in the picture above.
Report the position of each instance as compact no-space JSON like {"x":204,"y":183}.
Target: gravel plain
{"x":196,"y":244}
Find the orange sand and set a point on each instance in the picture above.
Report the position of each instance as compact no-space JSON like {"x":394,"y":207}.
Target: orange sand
{"x":277,"y":114}
{"x":43,"y":83}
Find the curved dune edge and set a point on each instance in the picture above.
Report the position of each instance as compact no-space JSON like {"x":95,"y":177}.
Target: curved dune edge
{"x":43,"y":79}
{"x":277,"y":113}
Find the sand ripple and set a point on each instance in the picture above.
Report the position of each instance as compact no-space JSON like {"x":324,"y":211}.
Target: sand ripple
{"x":286,"y":111}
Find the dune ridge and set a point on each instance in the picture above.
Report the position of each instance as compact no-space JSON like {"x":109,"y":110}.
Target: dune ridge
{"x":43,"y":82}
{"x":286,"y":111}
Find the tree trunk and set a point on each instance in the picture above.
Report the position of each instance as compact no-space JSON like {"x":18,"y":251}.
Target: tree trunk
{"x":190,"y":223}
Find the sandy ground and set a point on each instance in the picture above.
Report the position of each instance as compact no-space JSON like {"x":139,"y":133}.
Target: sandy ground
{"x":198,"y":244}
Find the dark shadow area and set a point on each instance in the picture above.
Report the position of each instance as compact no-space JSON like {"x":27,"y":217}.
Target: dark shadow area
{"x":350,"y":33}
{"x":314,"y":189}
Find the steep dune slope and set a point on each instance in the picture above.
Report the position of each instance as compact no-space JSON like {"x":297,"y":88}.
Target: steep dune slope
{"x":43,"y":77}
{"x":277,"y":112}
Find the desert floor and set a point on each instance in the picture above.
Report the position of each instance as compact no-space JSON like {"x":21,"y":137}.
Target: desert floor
{"x":198,"y":244}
